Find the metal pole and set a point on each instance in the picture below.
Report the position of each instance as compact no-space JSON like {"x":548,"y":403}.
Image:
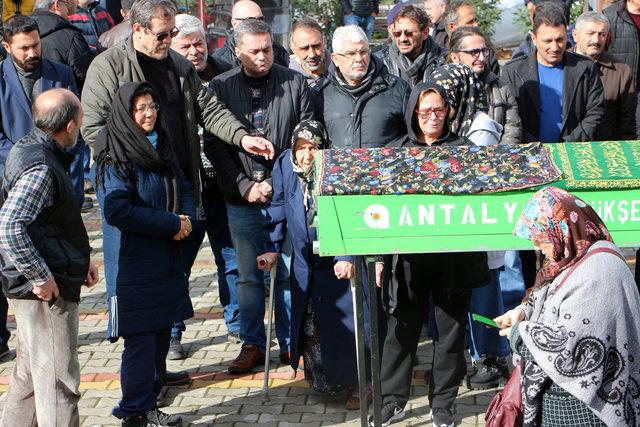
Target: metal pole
{"x":272,"y":285}
{"x":358,"y":314}
{"x":375,"y":354}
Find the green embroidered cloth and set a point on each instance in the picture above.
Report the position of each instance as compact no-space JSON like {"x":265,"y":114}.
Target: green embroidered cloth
{"x":597,"y":165}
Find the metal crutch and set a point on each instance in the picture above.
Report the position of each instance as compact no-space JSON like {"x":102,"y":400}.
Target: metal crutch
{"x":272,"y":285}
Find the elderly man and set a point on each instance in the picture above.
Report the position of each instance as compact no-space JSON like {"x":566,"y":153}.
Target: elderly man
{"x":39,"y":217}
{"x":191,"y":44}
{"x":310,"y":55}
{"x":241,"y":11}
{"x":590,"y":35}
{"x":60,"y":40}
{"x":413,"y":54}
{"x":559,"y":93}
{"x":185,"y":101}
{"x":435,"y":10}
{"x":272,"y":100}
{"x":363,"y":105}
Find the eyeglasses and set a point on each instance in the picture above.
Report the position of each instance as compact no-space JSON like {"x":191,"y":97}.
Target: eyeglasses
{"x":407,"y":33}
{"x":154,"y":106}
{"x":426,"y":113}
{"x":476,"y":52}
{"x":163,"y":35}
{"x":257,"y":18}
{"x":352,"y":54}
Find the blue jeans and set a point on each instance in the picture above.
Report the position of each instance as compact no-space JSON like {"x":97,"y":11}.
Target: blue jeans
{"x":364,"y":22}
{"x":77,"y":170}
{"x":87,"y":162}
{"x":142,"y":372}
{"x":216,"y":227}
{"x":249,"y":233}
{"x":511,"y":280}
{"x":487,"y":301}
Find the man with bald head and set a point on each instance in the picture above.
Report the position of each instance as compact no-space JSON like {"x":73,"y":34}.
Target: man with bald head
{"x":44,"y":259}
{"x":242,"y":11}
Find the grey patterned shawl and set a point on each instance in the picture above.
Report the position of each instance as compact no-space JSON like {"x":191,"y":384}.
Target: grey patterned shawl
{"x":586,"y":339}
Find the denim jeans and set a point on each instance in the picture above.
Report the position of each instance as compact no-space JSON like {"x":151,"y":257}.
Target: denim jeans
{"x":249,"y":232}
{"x":77,"y":170}
{"x":86,"y":163}
{"x":364,"y":22}
{"x":487,"y":301}
{"x":216,"y":227}
{"x":511,"y":280}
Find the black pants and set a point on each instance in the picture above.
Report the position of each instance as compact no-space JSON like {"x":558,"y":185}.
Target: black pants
{"x":419,"y":277}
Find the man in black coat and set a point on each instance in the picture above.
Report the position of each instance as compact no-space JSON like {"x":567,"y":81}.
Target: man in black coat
{"x":363,"y":105}
{"x":226,"y":55}
{"x":271,"y":100}
{"x":62,"y":41}
{"x":413,"y":54}
{"x":559,"y":93}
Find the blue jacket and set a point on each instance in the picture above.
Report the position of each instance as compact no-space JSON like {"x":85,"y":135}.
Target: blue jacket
{"x":15,"y":109}
{"x":313,"y":281}
{"x":143,"y":264}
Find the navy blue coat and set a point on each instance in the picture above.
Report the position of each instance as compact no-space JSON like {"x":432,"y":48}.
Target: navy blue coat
{"x":15,"y":108}
{"x":313,"y":280}
{"x":143,"y":264}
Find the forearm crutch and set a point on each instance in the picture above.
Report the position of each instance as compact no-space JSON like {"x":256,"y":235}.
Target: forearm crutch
{"x":272,"y":285}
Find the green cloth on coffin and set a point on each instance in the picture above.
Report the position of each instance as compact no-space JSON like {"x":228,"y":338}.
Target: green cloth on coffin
{"x":434,"y":170}
{"x":597,"y":165}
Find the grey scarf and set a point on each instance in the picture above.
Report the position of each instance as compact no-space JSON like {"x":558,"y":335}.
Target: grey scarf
{"x":585,"y":338}
{"x":363,"y":86}
{"x":412,"y":71}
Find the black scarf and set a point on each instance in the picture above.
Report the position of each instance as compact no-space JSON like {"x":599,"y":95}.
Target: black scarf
{"x":360,"y":88}
{"x":122,"y":143}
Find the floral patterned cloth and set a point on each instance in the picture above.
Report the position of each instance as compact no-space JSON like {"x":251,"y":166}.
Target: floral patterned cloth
{"x":556,"y":216}
{"x":434,"y":170}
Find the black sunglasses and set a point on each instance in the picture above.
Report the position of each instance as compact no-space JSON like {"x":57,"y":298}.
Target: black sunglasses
{"x":257,"y":18}
{"x":162,"y":36}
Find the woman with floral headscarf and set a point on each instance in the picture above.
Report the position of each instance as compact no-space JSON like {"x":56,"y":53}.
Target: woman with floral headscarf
{"x":322,"y":329}
{"x":579,"y":332}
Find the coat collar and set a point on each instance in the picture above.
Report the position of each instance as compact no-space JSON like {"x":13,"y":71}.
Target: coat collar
{"x":178,"y":64}
{"x":48,"y":77}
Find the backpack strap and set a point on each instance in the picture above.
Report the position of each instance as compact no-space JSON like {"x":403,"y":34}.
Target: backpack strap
{"x":588,"y":254}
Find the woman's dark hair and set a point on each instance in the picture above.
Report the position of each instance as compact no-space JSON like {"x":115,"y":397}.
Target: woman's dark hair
{"x":17,"y":24}
{"x":550,"y":14}
{"x":459,"y":34}
{"x":143,"y":90}
{"x":417,"y":15}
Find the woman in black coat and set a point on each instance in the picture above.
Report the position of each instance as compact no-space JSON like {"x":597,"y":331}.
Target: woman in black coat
{"x":411,"y":280}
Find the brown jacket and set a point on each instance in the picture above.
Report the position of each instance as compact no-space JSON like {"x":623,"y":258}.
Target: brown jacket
{"x":115,"y":35}
{"x":619,"y":120}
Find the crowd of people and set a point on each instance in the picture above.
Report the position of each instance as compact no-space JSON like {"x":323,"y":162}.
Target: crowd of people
{"x":179,"y":142}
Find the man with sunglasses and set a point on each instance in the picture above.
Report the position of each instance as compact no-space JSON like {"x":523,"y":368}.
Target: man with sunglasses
{"x":186,"y":103}
{"x":413,"y":54}
{"x":226,"y":55}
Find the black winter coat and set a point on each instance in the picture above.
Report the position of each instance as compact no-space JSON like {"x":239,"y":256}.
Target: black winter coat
{"x":63,"y":42}
{"x":582,"y":97}
{"x":286,"y":102}
{"x":624,"y":36}
{"x":372,"y":120}
{"x":227,"y":59}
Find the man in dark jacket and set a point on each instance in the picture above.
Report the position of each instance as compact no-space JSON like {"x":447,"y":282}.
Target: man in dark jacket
{"x":191,"y":43}
{"x":226,"y":55}
{"x":413,"y":54}
{"x":624,"y":17}
{"x":271,"y":100}
{"x":363,"y":105}
{"x":559,"y":93}
{"x":92,"y":19}
{"x":60,"y":40}
{"x":435,"y":10}
{"x":118,"y":33}
{"x":38,"y":218}
{"x":361,"y":13}
{"x":619,"y":121}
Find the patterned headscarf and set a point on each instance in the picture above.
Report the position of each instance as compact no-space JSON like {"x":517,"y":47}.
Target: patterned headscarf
{"x":556,"y":216}
{"x":465,"y":93}
{"x":312,"y":131}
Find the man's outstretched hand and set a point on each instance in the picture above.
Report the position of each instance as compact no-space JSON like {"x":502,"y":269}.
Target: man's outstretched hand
{"x":258,"y":145}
